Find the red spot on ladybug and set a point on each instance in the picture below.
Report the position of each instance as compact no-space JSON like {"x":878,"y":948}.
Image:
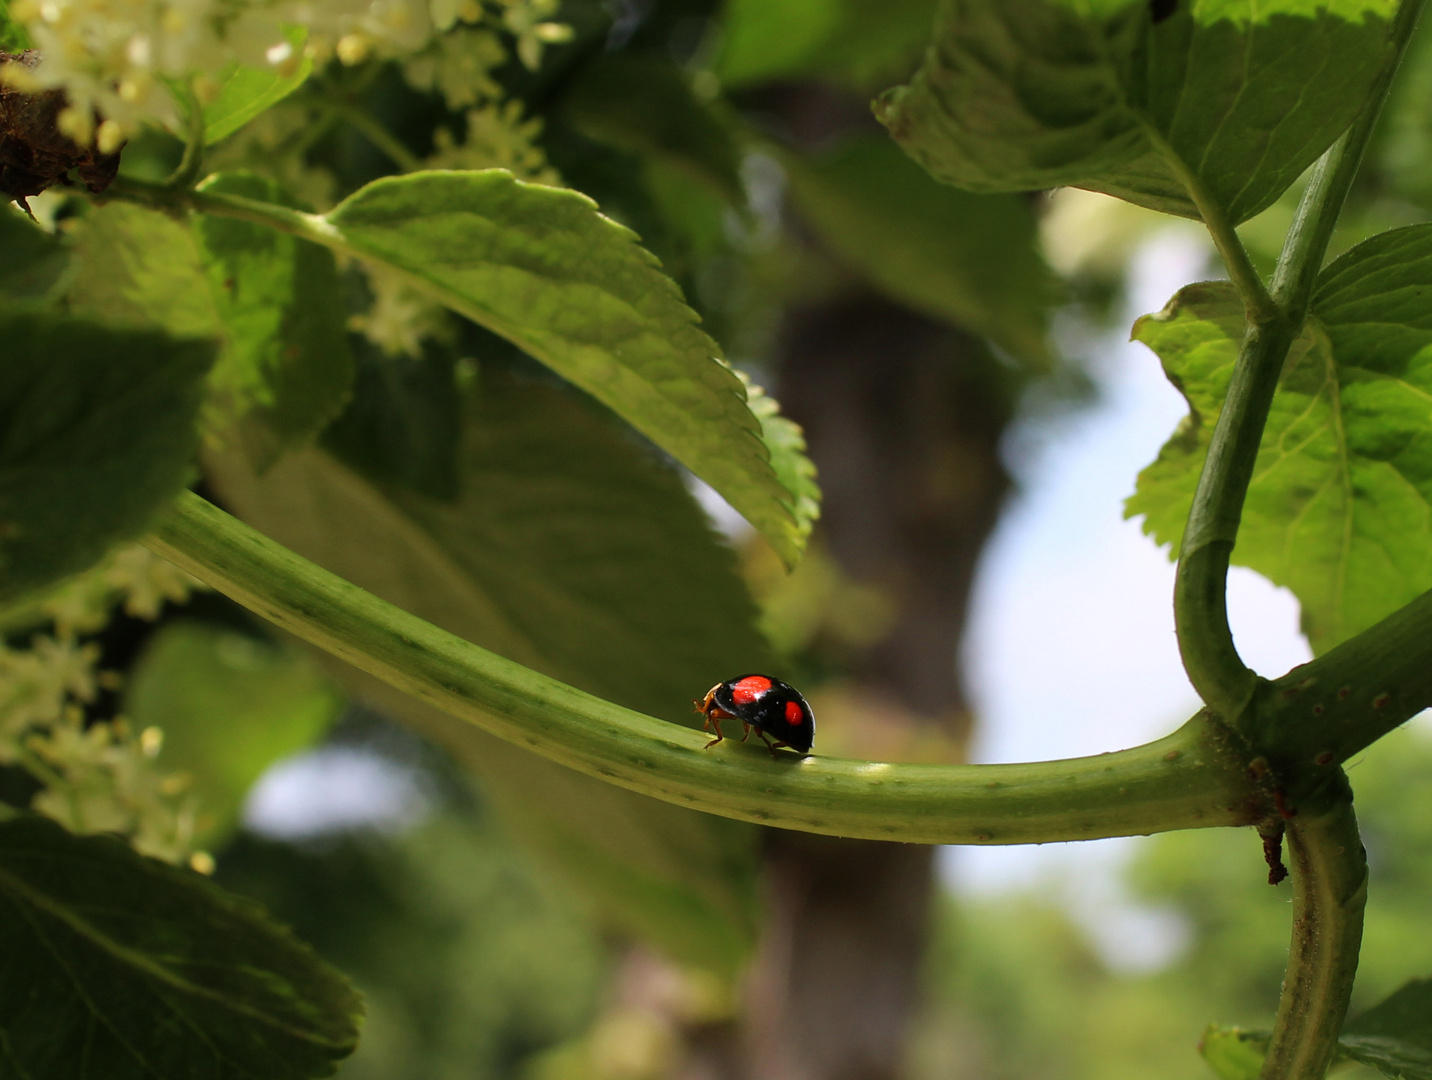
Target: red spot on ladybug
{"x":747,"y":690}
{"x":771,"y":707}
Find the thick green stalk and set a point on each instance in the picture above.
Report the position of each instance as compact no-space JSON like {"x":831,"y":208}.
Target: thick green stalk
{"x":1190,"y":779}
{"x":1322,"y":713}
{"x":1205,"y":639}
{"x":1329,"y":893}
{"x":1200,"y":610}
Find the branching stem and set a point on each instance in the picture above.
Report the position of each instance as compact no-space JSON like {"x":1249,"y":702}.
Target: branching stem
{"x":1191,"y":779}
{"x":1201,"y":616}
{"x":192,"y":163}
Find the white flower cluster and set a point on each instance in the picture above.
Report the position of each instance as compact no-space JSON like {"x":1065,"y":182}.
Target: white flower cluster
{"x":99,"y":777}
{"x":117,"y":59}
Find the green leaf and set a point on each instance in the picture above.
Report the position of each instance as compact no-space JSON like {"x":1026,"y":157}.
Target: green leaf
{"x":99,"y":434}
{"x":864,"y":43}
{"x":229,"y":706}
{"x":140,"y":268}
{"x":568,"y":548}
{"x":971,"y":260}
{"x":541,"y":267}
{"x":1233,"y":1053}
{"x":34,"y":262}
{"x":125,"y":967}
{"x":1394,"y":1036}
{"x":274,"y":301}
{"x":246,"y":91}
{"x":1237,"y":96}
{"x":1340,"y":507}
{"x":286,"y":361}
{"x":14,"y":38}
{"x":646,"y":105}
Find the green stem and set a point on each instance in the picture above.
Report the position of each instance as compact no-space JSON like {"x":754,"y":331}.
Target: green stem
{"x":1320,"y":714}
{"x":1256,"y":301}
{"x":1200,"y":609}
{"x":192,"y":163}
{"x":1329,"y":893}
{"x":383,"y":139}
{"x":283,"y":218}
{"x":1190,"y":779}
{"x":1200,"y":589}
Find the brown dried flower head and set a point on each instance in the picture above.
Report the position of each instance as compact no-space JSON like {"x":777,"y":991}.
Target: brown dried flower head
{"x":34,"y":155}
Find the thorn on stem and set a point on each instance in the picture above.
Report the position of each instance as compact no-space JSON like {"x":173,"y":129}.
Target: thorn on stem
{"x":1272,"y":836}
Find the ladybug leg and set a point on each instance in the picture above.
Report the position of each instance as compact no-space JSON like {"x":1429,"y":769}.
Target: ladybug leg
{"x":769,"y":744}
{"x":713,"y":719}
{"x":747,"y":735}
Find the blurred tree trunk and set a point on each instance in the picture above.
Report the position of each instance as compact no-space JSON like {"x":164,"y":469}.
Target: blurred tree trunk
{"x":904,"y":418}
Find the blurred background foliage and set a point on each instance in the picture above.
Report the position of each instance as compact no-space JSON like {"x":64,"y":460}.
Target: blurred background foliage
{"x":509,"y":920}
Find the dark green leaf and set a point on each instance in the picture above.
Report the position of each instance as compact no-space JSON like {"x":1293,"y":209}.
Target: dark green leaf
{"x":971,"y":260}
{"x":1340,"y":507}
{"x":273,"y":301}
{"x":286,"y":361}
{"x":123,"y":967}
{"x":568,"y":548}
{"x":229,"y":706}
{"x":645,"y":104}
{"x":1395,"y":1036}
{"x":1241,"y":96}
{"x":33,"y":262}
{"x":544,"y":269}
{"x":99,"y":430}
{"x":865,"y":43}
{"x":405,"y":420}
{"x":246,"y":91}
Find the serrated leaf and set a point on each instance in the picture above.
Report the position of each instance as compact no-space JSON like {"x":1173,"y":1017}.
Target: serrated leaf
{"x":863,"y":43}
{"x":273,"y":302}
{"x":286,"y":360}
{"x":572,"y":550}
{"x":1019,"y":95}
{"x":33,"y":262}
{"x":645,"y":104}
{"x":541,"y":267}
{"x":125,"y":967}
{"x":1340,"y":506}
{"x":99,"y":431}
{"x":971,"y":260}
{"x":229,"y":706}
{"x":1395,"y":1035}
{"x":245,"y":91}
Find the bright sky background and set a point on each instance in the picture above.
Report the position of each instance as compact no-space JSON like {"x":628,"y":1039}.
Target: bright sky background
{"x":1071,"y":645}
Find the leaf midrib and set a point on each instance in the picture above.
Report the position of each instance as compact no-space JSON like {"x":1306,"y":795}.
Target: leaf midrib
{"x":141,"y":962}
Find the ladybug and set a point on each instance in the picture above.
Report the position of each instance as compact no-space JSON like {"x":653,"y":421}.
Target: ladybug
{"x":761,"y":702}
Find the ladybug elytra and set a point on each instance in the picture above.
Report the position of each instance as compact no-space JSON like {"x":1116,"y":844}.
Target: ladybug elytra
{"x":773,"y":708}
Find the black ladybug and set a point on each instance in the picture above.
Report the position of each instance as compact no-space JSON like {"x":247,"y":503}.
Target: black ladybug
{"x":761,"y":702}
